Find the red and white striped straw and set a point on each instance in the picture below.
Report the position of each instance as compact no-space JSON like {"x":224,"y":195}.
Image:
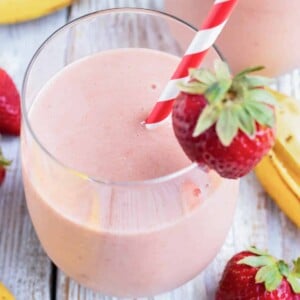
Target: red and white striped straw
{"x":203,"y":40}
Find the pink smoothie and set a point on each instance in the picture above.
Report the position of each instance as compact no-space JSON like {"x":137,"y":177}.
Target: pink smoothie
{"x":125,"y":239}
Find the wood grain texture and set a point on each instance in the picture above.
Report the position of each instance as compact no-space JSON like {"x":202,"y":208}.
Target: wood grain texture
{"x":24,"y":267}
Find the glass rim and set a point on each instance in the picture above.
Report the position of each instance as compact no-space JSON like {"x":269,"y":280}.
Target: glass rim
{"x":26,"y":121}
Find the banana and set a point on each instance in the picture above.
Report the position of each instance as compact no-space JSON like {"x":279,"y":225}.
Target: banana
{"x":287,"y":145}
{"x":5,"y":294}
{"x":278,"y":189}
{"x":14,"y":11}
{"x":279,"y":171}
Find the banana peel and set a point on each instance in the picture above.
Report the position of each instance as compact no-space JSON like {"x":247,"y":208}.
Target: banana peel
{"x":5,"y":294}
{"x":14,"y":11}
{"x":279,"y":171}
{"x":278,"y":189}
{"x":287,"y":145}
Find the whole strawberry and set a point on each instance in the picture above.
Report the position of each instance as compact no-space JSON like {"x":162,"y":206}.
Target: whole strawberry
{"x":254,"y":274}
{"x":10,"y":112}
{"x":225,"y":123}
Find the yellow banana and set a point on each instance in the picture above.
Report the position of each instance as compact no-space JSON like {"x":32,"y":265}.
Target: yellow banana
{"x":14,"y":11}
{"x":287,"y":145}
{"x":278,"y":189}
{"x":5,"y":294}
{"x":279,"y":171}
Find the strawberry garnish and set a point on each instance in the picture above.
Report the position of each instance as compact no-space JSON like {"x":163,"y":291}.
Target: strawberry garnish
{"x":3,"y":164}
{"x":225,"y":123}
{"x":10,"y":112}
{"x":254,"y":274}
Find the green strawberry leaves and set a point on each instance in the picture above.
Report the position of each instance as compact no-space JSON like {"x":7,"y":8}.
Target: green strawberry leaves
{"x":3,"y":161}
{"x":283,"y":268}
{"x":254,"y":250}
{"x":193,"y":87}
{"x":294,"y":282}
{"x":217,"y":91}
{"x":270,"y":276}
{"x":247,"y":71}
{"x":209,"y":116}
{"x":246,"y":121}
{"x":261,"y":95}
{"x":256,"y":81}
{"x":258,"y":261}
{"x":234,"y":103}
{"x":203,"y":76}
{"x":294,"y":277}
{"x":260,"y":112}
{"x":227,"y":125}
{"x":222,"y":70}
{"x":272,"y":271}
{"x":297,"y":265}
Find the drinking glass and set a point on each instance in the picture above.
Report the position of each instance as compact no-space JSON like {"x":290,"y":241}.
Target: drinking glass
{"x":257,"y":33}
{"x":125,"y":239}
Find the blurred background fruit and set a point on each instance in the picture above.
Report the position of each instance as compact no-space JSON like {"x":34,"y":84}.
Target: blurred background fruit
{"x":14,"y":11}
{"x":279,"y":171}
{"x":5,"y":294}
{"x":264,"y":30}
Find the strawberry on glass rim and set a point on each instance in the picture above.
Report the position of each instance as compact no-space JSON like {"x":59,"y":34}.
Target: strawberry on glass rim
{"x":255,"y":274}
{"x":225,"y":123}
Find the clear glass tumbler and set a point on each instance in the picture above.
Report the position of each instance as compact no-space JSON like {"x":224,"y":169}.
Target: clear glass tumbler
{"x":126,"y":239}
{"x":257,"y":33}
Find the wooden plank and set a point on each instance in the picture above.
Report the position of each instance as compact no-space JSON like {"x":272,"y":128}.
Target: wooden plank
{"x":83,"y":7}
{"x":24,"y":267}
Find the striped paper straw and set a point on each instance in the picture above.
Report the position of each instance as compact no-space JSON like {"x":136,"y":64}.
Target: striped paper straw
{"x":203,"y":40}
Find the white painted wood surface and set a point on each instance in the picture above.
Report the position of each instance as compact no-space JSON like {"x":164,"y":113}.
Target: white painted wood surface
{"x":24,"y":267}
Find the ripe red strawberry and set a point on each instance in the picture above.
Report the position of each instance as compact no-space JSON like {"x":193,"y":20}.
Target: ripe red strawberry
{"x":253,"y":274}
{"x":10,"y":112}
{"x":225,"y":123}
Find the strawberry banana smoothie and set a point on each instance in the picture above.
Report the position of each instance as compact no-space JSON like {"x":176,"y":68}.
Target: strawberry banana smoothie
{"x":148,"y":221}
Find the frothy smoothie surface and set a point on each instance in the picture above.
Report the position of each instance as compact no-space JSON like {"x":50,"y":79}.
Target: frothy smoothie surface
{"x":90,"y":114}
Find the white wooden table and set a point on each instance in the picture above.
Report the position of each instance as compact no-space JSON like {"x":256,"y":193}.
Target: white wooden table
{"x":24,"y":267}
